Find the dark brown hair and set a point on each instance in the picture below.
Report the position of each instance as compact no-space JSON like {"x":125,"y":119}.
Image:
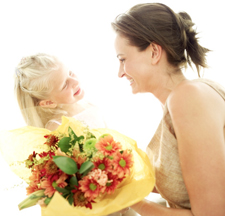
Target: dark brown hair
{"x":156,"y":22}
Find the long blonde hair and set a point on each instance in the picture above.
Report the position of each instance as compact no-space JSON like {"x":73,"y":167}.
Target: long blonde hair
{"x":33,"y":84}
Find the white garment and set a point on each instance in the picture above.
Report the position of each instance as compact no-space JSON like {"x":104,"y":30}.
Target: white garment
{"x":91,"y":117}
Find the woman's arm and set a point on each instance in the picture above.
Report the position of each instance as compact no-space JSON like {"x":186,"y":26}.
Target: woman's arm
{"x":198,"y":116}
{"x":148,"y":208}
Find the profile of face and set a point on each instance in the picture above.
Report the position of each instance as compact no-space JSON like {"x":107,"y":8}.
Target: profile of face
{"x":135,"y":65}
{"x":66,"y":88}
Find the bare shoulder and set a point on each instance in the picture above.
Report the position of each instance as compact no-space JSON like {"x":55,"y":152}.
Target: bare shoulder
{"x":196,"y":97}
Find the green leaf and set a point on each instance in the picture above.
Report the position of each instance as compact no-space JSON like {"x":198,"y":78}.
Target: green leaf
{"x":66,"y":164}
{"x":72,"y":135}
{"x":47,"y":200}
{"x":86,"y":167}
{"x":70,"y":199}
{"x":81,"y":147}
{"x":62,"y":190}
{"x":74,"y":138}
{"x":64,"y":144}
{"x":90,"y":135}
{"x":73,"y":181}
{"x":80,"y":139}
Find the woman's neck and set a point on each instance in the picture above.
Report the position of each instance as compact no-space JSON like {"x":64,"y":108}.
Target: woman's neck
{"x":76,"y":108}
{"x":166,"y":86}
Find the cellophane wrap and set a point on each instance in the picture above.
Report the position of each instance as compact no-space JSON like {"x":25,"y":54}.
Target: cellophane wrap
{"x":16,"y":145}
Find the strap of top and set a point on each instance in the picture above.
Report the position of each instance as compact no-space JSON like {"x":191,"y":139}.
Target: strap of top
{"x":214,"y":85}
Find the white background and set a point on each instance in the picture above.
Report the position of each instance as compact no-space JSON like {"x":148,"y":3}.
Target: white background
{"x":79,"y":32}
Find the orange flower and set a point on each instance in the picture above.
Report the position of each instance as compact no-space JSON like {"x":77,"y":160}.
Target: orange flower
{"x":32,"y":188}
{"x":47,"y":185}
{"x":122,"y":163}
{"x":107,"y":145}
{"x":89,"y":187}
{"x":111,"y":184}
{"x":79,"y":199}
{"x":104,"y":164}
{"x":79,"y":159}
{"x":53,"y":181}
{"x":51,"y":167}
{"x":35,"y":175}
{"x":61,"y":181}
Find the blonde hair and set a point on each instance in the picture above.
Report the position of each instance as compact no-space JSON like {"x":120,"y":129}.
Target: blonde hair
{"x":33,"y":84}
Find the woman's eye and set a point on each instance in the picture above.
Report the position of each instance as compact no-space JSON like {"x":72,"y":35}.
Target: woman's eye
{"x":122,"y":60}
{"x":65,"y":85}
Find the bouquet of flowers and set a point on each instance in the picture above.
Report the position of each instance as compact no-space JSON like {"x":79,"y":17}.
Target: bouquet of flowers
{"x":76,"y":170}
{"x":81,"y":169}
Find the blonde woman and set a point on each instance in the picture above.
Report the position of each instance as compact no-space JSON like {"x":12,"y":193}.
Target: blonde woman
{"x":46,"y":90}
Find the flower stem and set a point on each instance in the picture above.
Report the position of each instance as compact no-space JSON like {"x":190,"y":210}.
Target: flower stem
{"x":31,"y":200}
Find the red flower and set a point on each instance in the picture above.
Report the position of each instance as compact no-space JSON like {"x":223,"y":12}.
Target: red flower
{"x":104,"y":164}
{"x":111,"y":184}
{"x":51,"y":140}
{"x":45,"y":154}
{"x":32,"y":156}
{"x":80,"y":199}
{"x":30,"y":161}
{"x":52,"y":181}
{"x":107,"y":145}
{"x":122,"y":163}
{"x":51,"y":167}
{"x":89,"y":205}
{"x":89,"y":187}
{"x":61,"y":181}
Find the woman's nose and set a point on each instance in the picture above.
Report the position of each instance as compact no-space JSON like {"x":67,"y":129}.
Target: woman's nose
{"x":121,"y":72}
{"x":74,"y":82}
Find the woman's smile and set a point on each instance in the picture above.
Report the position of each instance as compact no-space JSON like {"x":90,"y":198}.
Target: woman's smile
{"x":77,"y":92}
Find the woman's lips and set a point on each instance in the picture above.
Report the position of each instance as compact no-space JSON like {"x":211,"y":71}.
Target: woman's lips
{"x":77,"y":92}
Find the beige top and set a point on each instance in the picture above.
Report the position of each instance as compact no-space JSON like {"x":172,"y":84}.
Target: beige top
{"x":163,"y":146}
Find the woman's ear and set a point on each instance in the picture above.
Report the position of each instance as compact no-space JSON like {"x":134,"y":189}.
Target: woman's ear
{"x":47,"y":104}
{"x":156,"y":52}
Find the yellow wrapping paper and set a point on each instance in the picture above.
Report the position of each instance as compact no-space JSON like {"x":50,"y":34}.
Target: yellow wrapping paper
{"x":20,"y":143}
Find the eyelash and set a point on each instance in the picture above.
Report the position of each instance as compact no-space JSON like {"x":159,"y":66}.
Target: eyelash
{"x":71,"y":73}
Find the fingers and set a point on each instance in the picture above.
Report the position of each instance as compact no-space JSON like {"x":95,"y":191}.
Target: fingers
{"x":123,"y":211}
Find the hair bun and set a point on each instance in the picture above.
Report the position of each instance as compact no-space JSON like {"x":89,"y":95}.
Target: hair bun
{"x":185,"y":16}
